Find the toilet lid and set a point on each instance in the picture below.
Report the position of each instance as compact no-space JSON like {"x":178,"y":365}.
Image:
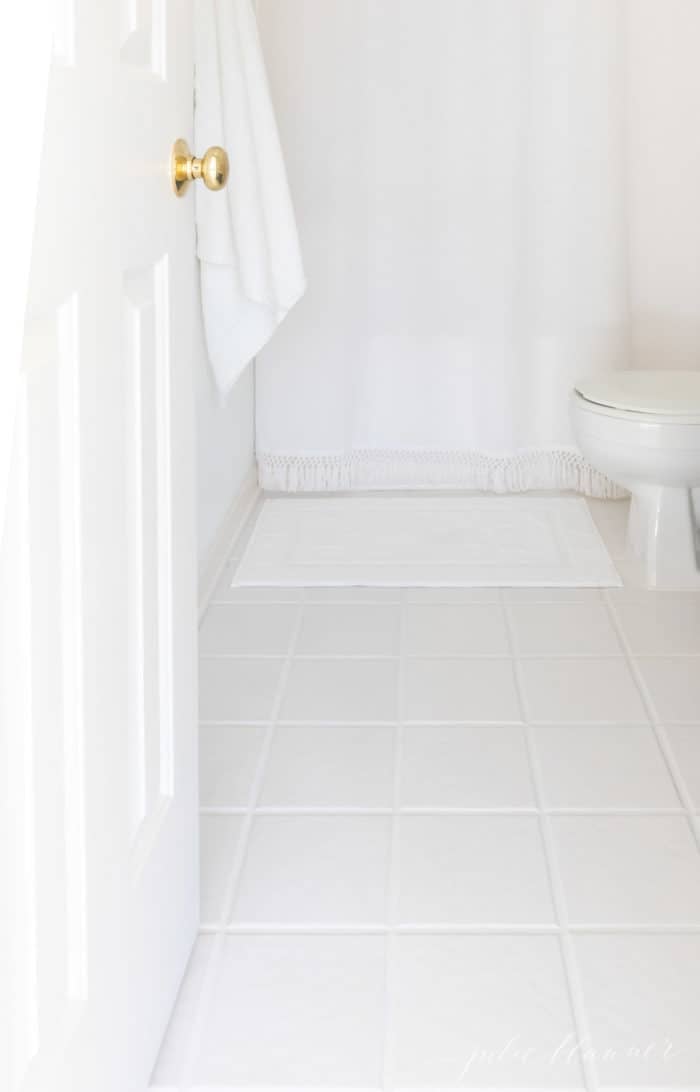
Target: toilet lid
{"x":671,"y":393}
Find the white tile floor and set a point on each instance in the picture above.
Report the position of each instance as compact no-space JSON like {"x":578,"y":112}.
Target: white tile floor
{"x":449,"y":840}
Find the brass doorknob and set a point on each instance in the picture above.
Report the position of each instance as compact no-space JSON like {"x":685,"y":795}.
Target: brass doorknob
{"x":212,"y":168}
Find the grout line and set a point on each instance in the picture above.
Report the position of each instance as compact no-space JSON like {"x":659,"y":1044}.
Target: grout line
{"x":495,"y":813}
{"x":662,"y":739}
{"x":293,"y":928}
{"x":388,"y":1062}
{"x":636,"y":929}
{"x":568,"y":953}
{"x":442,"y":928}
{"x":204,"y":1000}
{"x":449,"y":595}
{"x":292,"y":594}
{"x":330,"y":811}
{"x":376,"y":722}
{"x":601,"y":813}
{"x":428,"y":810}
{"x":449,"y":656}
{"x":441,"y":722}
{"x":247,"y":599}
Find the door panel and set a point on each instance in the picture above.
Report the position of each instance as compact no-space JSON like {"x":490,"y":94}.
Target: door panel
{"x":98,"y":578}
{"x":149,"y":519}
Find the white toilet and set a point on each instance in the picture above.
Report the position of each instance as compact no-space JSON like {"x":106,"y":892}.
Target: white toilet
{"x":642,"y":429}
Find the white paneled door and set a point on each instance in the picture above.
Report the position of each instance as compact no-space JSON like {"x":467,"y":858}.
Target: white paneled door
{"x":98,"y":687}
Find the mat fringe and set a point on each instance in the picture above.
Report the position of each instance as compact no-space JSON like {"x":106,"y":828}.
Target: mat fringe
{"x":559,"y":469}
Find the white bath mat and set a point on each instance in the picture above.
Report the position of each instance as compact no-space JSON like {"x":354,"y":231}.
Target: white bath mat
{"x":426,"y":542}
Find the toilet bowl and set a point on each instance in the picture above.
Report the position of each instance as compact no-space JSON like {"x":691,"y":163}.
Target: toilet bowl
{"x":642,"y":429}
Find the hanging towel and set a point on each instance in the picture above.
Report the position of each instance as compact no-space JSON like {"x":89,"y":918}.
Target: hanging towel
{"x":247,"y":243}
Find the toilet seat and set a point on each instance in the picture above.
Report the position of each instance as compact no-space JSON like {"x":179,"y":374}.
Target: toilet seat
{"x":653,"y":395}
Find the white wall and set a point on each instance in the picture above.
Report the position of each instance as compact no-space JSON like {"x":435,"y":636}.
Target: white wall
{"x":663,"y":135}
{"x":225,"y":445}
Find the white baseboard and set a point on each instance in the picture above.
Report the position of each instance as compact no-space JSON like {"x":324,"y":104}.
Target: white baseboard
{"x":211,"y":566}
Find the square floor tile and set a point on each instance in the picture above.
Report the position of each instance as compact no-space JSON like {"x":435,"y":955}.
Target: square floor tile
{"x":218,"y":842}
{"x":577,"y":691}
{"x":643,"y":1009}
{"x":440,"y":629}
{"x":170,"y":1068}
{"x":633,"y":870}
{"x":315,"y":869}
{"x":662,"y":625}
{"x":685,"y":745}
{"x":228,"y":760}
{"x":674,"y":686}
{"x":295,"y":1012}
{"x":564,"y":629}
{"x":341,"y":690}
{"x":251,"y":629}
{"x":238,"y":690}
{"x":465,"y":766}
{"x":607,"y":766}
{"x":481,"y":1012}
{"x":341,"y":766}
{"x":460,"y":690}
{"x":468,"y":868}
{"x":349,"y":629}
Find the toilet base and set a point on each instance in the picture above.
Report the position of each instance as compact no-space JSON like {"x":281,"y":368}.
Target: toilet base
{"x":663,"y":534}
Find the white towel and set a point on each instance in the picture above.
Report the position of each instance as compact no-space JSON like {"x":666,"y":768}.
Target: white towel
{"x":247,"y":242}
